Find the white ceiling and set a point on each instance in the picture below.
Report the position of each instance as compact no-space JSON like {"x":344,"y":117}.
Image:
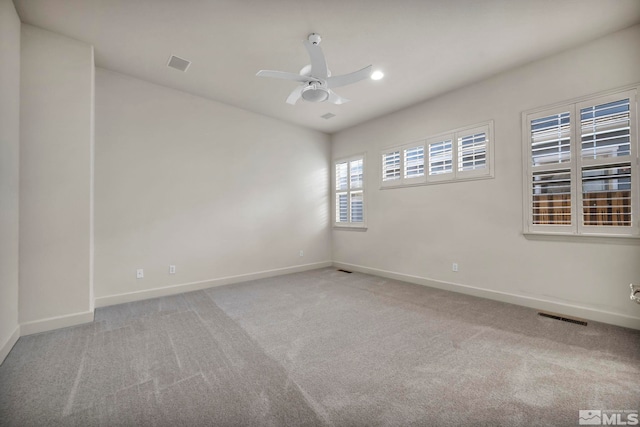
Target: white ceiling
{"x":424,"y":47}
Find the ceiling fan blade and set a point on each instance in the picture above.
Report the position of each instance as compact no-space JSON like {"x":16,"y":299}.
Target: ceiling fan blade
{"x":295,"y":95}
{"x":334,"y":98}
{"x":347,"y":79}
{"x":318,"y":63}
{"x":285,"y":76}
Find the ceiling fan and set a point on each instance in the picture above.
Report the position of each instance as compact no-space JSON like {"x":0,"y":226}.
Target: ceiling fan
{"x":316,"y":79}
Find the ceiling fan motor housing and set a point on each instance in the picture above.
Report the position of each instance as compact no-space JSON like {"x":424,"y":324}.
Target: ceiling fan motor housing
{"x":315,"y":92}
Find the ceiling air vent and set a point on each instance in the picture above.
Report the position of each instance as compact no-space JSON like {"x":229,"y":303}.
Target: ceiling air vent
{"x":328,"y":116}
{"x":178,"y":63}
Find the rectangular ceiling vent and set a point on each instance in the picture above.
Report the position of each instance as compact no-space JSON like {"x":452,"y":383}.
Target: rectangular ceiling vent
{"x":178,"y":63}
{"x":328,"y":116}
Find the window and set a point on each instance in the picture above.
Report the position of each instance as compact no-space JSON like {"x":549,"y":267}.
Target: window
{"x":457,"y":155}
{"x":349,"y":192}
{"x":403,"y":165}
{"x":581,"y":167}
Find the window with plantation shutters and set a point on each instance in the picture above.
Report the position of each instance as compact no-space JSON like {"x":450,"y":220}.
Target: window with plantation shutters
{"x":403,"y":165}
{"x":582,"y":167}
{"x":349,"y":192}
{"x":460,"y":154}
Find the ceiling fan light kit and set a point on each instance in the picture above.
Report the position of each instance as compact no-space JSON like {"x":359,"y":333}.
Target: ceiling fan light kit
{"x":314,"y":92}
{"x":316,"y":79}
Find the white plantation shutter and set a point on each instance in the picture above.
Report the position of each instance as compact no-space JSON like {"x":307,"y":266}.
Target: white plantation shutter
{"x":355,"y":174}
{"x":472,"y":147}
{"x":606,"y":131}
{"x":357,"y":207}
{"x":551,"y":139}
{"x":391,"y":166}
{"x":414,"y":162}
{"x":551,"y":187}
{"x":349,"y":192}
{"x":342,"y":207}
{"x":551,"y":195}
{"x":342,"y":174}
{"x":582,"y":167}
{"x":440,"y":157}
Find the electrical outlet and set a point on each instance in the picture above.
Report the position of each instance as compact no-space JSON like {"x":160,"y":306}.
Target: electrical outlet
{"x":172,"y":269}
{"x":140,"y":273}
{"x":454,"y":267}
{"x":301,"y":253}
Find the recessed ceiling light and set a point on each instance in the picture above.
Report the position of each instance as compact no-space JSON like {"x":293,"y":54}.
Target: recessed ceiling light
{"x":377,"y":75}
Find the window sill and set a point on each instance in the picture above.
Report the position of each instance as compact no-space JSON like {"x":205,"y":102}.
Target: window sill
{"x":349,"y":228}
{"x":441,"y":181}
{"x":584,"y":238}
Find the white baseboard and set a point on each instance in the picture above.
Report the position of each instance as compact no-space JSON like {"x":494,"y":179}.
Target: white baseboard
{"x":8,"y":345}
{"x":527,"y":301}
{"x":203,"y":284}
{"x":51,"y":323}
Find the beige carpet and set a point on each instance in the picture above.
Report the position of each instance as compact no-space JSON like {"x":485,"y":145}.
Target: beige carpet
{"x":319,"y":348}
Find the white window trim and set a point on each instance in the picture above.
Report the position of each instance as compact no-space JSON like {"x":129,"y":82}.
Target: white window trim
{"x":355,"y":226}
{"x":455,"y":175}
{"x":576,"y":229}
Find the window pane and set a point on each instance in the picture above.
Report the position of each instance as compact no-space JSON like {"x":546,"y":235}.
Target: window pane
{"x":355,"y":171}
{"x":472,"y":152}
{"x":606,"y":195}
{"x":357,"y":206}
{"x":440,"y":157}
{"x":391,"y":166}
{"x":605,"y":130}
{"x":551,"y":192}
{"x":341,"y":176}
{"x":414,"y":162}
{"x":551,"y":139}
{"x":342,"y":208}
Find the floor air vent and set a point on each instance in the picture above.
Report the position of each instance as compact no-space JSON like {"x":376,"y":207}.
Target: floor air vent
{"x":344,"y":271}
{"x":563,"y":318}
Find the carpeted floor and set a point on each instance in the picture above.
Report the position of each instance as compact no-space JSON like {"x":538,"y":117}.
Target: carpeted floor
{"x":319,"y":348}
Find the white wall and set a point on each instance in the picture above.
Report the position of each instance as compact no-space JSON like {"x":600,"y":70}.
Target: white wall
{"x":55,"y":180}
{"x":420,"y":231}
{"x":217,"y":191}
{"x":9,"y":173}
